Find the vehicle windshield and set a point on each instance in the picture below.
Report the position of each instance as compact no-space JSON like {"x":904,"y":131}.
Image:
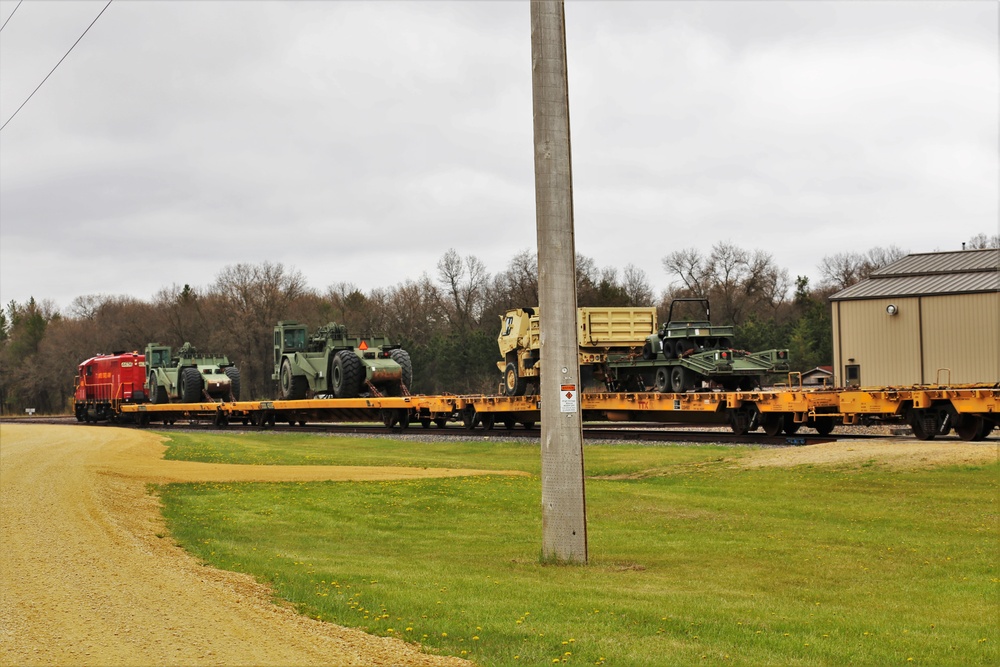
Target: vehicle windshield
{"x":160,"y":358}
{"x":295,"y":339}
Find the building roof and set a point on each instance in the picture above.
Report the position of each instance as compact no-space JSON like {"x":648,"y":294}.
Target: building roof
{"x":934,"y":273}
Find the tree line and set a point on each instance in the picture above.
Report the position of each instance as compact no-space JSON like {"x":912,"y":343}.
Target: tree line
{"x":448,"y":323}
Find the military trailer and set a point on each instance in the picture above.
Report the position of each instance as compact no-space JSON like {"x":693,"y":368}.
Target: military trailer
{"x":621,"y":349}
{"x":331,"y":362}
{"x":189,"y":377}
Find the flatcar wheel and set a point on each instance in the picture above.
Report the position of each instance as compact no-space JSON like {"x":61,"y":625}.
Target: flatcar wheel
{"x":425,"y":422}
{"x":968,"y":427}
{"x":441,"y":422}
{"x":470,"y":419}
{"x":509,"y":423}
{"x":662,"y":380}
{"x":773,"y":424}
{"x":791,"y":428}
{"x":528,"y":425}
{"x":823,"y":425}
{"x":924,"y":425}
{"x":488,"y":420}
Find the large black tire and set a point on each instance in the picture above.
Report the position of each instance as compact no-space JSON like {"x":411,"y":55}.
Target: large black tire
{"x":669,"y":349}
{"x":647,"y":351}
{"x":402,"y":357}
{"x":662,"y":382}
{"x":157,"y":392}
{"x":513,"y":384}
{"x":191,"y":385}
{"x":291,"y":387}
{"x":346,"y":374}
{"x":233,"y":374}
{"x":678,"y":379}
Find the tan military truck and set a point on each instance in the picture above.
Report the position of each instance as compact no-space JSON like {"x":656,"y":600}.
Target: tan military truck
{"x":599,"y":331}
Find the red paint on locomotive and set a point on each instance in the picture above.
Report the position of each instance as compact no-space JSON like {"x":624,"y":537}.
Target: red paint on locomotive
{"x":106,"y":381}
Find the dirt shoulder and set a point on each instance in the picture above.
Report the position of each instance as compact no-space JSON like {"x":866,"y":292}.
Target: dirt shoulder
{"x":88,"y":578}
{"x":897,"y":454}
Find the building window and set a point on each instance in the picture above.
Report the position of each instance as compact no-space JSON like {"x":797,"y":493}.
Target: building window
{"x":852,"y":375}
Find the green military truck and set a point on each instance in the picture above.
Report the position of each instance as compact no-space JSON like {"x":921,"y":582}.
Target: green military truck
{"x":332,"y":362}
{"x":189,"y":377}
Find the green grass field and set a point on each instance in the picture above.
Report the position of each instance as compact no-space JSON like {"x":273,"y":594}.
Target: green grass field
{"x":693,"y":560}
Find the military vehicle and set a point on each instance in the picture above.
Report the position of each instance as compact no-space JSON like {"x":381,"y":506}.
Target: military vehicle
{"x":189,"y":377}
{"x":621,"y":349}
{"x":332,"y":362}
{"x":600,"y":331}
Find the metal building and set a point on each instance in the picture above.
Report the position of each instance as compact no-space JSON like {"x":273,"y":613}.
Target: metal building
{"x":929,"y":318}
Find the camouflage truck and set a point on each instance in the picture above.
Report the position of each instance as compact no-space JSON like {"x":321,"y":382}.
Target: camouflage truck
{"x":621,"y":349}
{"x":189,"y":377}
{"x":331,"y":362}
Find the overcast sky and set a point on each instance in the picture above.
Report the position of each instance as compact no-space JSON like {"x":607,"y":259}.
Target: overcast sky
{"x":357,"y":142}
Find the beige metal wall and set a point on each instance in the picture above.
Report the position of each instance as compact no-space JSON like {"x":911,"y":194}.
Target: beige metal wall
{"x":959,"y":332}
{"x":962,"y":333}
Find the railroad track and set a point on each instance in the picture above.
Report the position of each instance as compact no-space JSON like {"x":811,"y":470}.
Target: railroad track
{"x":635,"y":432}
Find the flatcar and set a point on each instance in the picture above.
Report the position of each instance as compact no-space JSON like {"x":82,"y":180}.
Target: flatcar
{"x":107,"y":381}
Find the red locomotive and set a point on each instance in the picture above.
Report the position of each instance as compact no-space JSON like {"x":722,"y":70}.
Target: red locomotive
{"x":106,"y":381}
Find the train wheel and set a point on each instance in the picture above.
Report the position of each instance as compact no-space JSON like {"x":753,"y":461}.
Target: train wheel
{"x":773,"y":424}
{"x":425,"y":422}
{"x":969,"y":427}
{"x":791,"y":428}
{"x":470,"y":419}
{"x":509,"y":423}
{"x":744,"y":420}
{"x":923,"y":424}
{"x":528,"y":425}
{"x":823,"y":425}
{"x":662,"y":380}
{"x":441,"y":422}
{"x":488,"y":420}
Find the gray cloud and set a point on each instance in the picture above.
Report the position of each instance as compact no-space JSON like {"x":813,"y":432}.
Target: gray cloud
{"x":359,"y":141}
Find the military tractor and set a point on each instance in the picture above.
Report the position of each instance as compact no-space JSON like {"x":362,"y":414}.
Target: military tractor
{"x":621,"y":349}
{"x":331,"y":362}
{"x":189,"y":377}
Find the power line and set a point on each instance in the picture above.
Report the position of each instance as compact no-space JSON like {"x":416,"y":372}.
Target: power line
{"x":57,"y":64}
{"x":11,"y":14}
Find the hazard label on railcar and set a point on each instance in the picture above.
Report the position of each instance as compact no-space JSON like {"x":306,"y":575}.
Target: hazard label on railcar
{"x":567,"y":398}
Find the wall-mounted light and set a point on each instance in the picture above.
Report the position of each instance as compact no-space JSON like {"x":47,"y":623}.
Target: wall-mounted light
{"x":891,"y":309}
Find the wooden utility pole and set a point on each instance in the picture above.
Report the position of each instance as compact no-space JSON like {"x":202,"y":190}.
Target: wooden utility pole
{"x":564,"y":513}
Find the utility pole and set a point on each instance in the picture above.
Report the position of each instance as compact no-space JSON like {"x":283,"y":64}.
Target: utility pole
{"x":564,"y":514}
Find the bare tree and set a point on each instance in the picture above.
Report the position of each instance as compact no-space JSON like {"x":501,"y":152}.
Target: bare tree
{"x":465,"y":283}
{"x":841,"y":270}
{"x":983,"y":242}
{"x":253,"y":297}
{"x":637,"y":288}
{"x":691,"y":268}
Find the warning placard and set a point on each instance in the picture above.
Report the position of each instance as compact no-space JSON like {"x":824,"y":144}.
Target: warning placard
{"x":567,"y":398}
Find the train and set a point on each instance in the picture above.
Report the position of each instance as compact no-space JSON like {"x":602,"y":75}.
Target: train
{"x":106,"y":382}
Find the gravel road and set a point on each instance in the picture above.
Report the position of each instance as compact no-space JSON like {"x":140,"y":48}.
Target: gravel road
{"x":89,"y":577}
